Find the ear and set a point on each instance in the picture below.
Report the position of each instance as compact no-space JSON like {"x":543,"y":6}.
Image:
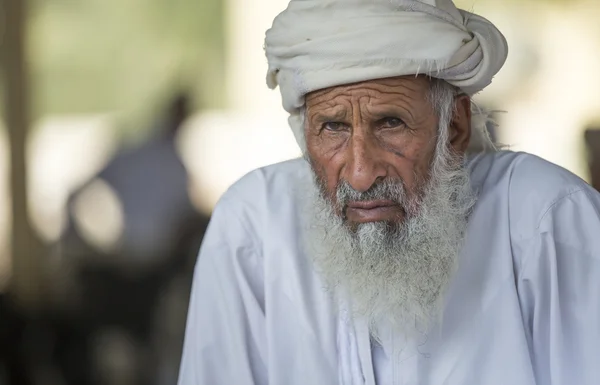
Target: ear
{"x":460,"y":126}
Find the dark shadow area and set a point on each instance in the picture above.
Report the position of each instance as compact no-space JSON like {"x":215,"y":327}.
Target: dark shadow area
{"x":118,"y":313}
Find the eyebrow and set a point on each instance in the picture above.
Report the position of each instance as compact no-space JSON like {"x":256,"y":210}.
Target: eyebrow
{"x":398,"y":112}
{"x":320,"y":117}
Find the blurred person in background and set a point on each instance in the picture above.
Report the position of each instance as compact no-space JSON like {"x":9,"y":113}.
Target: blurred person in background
{"x":387,"y":255}
{"x":151,"y":185}
{"x":126,"y":282}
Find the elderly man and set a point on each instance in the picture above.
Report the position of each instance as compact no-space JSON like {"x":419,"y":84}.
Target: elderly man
{"x":387,"y":255}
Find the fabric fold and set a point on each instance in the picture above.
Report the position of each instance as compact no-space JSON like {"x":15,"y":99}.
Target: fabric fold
{"x":316,"y":44}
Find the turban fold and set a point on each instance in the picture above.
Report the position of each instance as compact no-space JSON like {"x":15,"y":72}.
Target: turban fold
{"x":316,"y":44}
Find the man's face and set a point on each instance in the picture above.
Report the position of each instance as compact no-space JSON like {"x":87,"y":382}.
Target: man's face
{"x":391,"y":198}
{"x":364,"y":134}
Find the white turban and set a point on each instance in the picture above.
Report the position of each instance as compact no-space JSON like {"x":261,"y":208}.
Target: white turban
{"x":316,"y":44}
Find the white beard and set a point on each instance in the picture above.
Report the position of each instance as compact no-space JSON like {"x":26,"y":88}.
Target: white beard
{"x":394,"y":274}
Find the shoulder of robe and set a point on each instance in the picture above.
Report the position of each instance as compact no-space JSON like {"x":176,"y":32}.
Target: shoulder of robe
{"x":244,"y":207}
{"x":535,"y":186}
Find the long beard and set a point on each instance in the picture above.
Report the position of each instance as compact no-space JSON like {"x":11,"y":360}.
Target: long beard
{"x":394,"y":274}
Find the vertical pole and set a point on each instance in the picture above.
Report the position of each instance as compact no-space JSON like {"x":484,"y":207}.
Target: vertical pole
{"x":25,"y":278}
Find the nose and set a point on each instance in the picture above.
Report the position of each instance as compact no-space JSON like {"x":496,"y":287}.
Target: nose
{"x":365,"y":163}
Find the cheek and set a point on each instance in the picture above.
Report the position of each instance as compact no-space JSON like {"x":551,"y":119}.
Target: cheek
{"x":406,"y":145}
{"x":408,"y":153}
{"x":326,"y":171}
{"x":325,"y":145}
{"x":421,"y":166}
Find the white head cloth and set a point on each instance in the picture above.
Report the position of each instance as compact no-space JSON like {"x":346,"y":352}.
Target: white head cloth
{"x":316,"y":44}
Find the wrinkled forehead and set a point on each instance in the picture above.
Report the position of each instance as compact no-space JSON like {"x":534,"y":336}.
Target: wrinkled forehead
{"x":404,"y":89}
{"x":415,"y":86}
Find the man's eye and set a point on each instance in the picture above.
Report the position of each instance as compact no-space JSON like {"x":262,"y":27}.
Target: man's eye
{"x":391,"y":122}
{"x":333,"y":126}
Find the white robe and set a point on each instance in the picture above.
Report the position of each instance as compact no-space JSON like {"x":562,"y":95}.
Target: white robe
{"x":522,"y":309}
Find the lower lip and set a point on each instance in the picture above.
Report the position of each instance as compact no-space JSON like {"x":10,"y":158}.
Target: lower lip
{"x":376,"y":214}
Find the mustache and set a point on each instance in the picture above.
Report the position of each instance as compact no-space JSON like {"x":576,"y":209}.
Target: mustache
{"x":387,"y":189}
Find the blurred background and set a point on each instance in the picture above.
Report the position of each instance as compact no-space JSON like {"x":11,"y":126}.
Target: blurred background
{"x":123,"y":121}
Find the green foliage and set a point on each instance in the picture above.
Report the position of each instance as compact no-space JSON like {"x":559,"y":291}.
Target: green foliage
{"x":124,"y":55}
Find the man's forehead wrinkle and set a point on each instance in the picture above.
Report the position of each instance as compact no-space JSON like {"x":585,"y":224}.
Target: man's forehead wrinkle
{"x":391,"y":98}
{"x":370,"y":95}
{"x":410,"y":83}
{"x":385,"y":99}
{"x":388,"y":88}
{"x":322,"y":116}
{"x":390,"y":106}
{"x":330,"y":99}
{"x":325,"y":100}
{"x":328,"y":109}
{"x":370,"y":98}
{"x":380,"y":91}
